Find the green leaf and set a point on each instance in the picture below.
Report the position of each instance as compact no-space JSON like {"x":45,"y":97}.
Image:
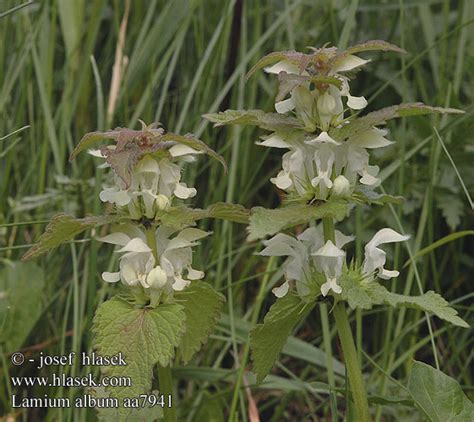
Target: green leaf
{"x":374,"y":45}
{"x":230,"y":212}
{"x":362,"y":293}
{"x":21,"y":287}
{"x":452,"y":208}
{"x":268,"y":121}
{"x":267,"y":339}
{"x":361,"y":124}
{"x":266,"y":222}
{"x":145,"y":337}
{"x":439,"y":396}
{"x":180,"y":217}
{"x":202,"y":306}
{"x":61,"y":229}
{"x":367,"y":196}
{"x":211,"y":409}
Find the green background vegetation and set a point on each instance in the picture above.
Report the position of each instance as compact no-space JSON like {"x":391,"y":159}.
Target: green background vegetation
{"x":179,"y":60}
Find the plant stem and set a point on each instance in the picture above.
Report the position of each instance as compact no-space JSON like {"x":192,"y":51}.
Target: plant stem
{"x":351,"y":360}
{"x":165,"y":379}
{"x":349,"y":351}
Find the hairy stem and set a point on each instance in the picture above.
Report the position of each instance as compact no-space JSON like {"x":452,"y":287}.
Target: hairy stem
{"x":165,"y":379}
{"x":351,"y":360}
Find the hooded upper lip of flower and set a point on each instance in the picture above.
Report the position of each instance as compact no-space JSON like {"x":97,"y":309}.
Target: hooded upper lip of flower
{"x":174,"y":256}
{"x":375,"y":257}
{"x":330,"y":260}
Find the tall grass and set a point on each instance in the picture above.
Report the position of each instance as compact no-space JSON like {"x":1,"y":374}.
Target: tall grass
{"x":184,"y":58}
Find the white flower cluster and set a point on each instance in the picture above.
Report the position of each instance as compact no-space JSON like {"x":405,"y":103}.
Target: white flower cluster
{"x":309,"y":253}
{"x":155,"y":181}
{"x":171,"y":270}
{"x":316,"y":162}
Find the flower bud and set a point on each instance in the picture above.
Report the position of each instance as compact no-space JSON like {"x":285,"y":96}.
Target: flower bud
{"x":162,"y":202}
{"x":341,"y":186}
{"x":157,"y":278}
{"x":326,"y":103}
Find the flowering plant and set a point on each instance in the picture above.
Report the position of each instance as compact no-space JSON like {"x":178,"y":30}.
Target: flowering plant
{"x":163,"y":305}
{"x":326,"y":172}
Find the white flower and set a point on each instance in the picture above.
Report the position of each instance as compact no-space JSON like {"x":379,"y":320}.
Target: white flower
{"x":329,"y":258}
{"x":274,"y":141}
{"x":293,"y":169}
{"x":138,"y":266}
{"x":285,"y":106}
{"x":324,"y":159}
{"x":326,"y":103}
{"x":323,"y":137}
{"x":375,"y":257}
{"x":183,"y":192}
{"x":348,"y":63}
{"x":157,"y":278}
{"x":372,"y":138}
{"x":153,"y":184}
{"x":115,"y":195}
{"x":302,"y":257}
{"x":175,"y":255}
{"x":358,"y":164}
{"x":356,"y":103}
{"x":135,"y":264}
{"x":341,"y":187}
{"x":284,"y":66}
{"x":295,"y":267}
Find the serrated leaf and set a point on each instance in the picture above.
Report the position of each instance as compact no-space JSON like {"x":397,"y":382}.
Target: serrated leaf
{"x":439,"y":396}
{"x":289,"y":81}
{"x":230,"y":212}
{"x":21,"y":304}
{"x":180,"y":217}
{"x":202,"y":306}
{"x":364,"y":123}
{"x":452,"y":209}
{"x":211,"y":409}
{"x":268,"y":121}
{"x":145,"y":337}
{"x":62,"y":228}
{"x":266,"y":222}
{"x":268,"y":339}
{"x":368,"y":196}
{"x":361,"y":293}
{"x":374,"y":45}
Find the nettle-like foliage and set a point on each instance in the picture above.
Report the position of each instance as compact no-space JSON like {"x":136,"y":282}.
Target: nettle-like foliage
{"x":326,"y":172}
{"x":163,"y":305}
